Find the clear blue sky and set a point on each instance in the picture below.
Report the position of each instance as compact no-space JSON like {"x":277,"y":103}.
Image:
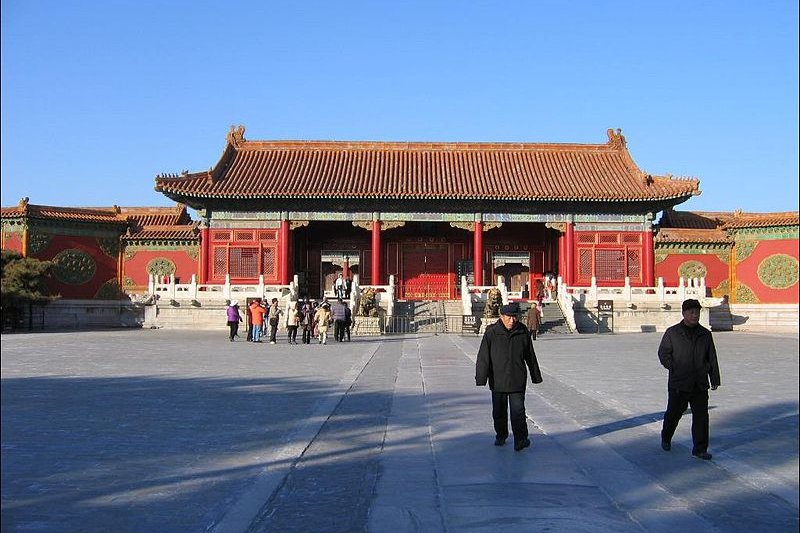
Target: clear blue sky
{"x":99,"y":97}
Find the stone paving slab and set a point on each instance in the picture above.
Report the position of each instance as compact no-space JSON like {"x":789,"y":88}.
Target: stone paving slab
{"x":155,"y":430}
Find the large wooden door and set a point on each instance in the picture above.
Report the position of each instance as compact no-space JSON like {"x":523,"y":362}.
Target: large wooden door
{"x":426,"y":271}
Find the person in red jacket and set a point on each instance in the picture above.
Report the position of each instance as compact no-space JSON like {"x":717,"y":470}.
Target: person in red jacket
{"x":257,"y":312}
{"x":687,"y":351}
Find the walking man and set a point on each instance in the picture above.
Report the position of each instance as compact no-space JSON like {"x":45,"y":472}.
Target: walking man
{"x":534,"y":320}
{"x":274,"y":315}
{"x":687,"y":351}
{"x":506,"y":350}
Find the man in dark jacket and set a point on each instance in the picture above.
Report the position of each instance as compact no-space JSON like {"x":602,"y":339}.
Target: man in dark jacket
{"x":505,"y":351}
{"x":687,"y":351}
{"x":339,"y":312}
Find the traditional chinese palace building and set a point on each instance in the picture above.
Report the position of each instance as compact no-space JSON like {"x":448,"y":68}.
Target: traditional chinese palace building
{"x":425,"y":213}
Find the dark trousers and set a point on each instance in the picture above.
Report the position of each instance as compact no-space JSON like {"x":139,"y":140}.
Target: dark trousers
{"x":291,"y":332}
{"x":273,"y":329}
{"x":338,"y":330}
{"x":676,"y":405}
{"x":307,"y":333}
{"x":500,"y":404}
{"x":234,"y":326}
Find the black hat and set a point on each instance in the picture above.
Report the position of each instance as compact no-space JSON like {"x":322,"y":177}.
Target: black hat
{"x":690,"y":304}
{"x":511,"y":309}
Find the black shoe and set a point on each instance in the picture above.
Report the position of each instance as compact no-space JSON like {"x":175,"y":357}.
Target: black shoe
{"x":521,"y":445}
{"x":666,"y":445}
{"x":702,"y":455}
{"x":499,"y":441}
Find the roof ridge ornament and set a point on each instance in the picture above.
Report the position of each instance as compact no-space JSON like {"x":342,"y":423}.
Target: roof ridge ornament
{"x":235,"y":135}
{"x":616,"y":139}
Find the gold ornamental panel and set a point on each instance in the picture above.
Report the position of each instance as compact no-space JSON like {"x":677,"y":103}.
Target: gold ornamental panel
{"x":778,"y":271}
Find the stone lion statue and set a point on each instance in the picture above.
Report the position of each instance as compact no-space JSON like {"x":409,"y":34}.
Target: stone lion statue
{"x":368,"y":305}
{"x":493,"y":302}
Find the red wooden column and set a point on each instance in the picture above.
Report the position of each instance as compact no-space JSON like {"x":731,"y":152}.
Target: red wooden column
{"x":562,"y":256}
{"x":569,"y":254}
{"x":205,"y":247}
{"x":477,"y":253}
{"x":377,"y":276}
{"x":283,"y":270}
{"x":648,"y":258}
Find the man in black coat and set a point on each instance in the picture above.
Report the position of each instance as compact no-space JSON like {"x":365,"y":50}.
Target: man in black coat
{"x":687,"y":351}
{"x":506,"y":350}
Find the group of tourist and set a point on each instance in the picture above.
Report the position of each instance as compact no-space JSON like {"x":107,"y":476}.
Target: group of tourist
{"x":342,"y":287}
{"x":311,"y":317}
{"x":545,"y":289}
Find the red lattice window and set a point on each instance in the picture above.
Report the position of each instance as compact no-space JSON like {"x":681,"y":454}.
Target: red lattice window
{"x":267,"y":236}
{"x":220,"y":261}
{"x":632,"y":238}
{"x":608,"y":238}
{"x":586,"y":238}
{"x":585,"y":264}
{"x":221,"y":235}
{"x":244,"y":235}
{"x":610,"y":265}
{"x":634,"y":264}
{"x":269,"y":264}
{"x":244,"y":262}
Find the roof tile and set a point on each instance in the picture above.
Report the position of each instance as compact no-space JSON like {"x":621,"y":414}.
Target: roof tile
{"x":392,"y":170}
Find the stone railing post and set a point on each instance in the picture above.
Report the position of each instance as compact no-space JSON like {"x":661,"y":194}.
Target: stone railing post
{"x":260,"y":288}
{"x":193,"y":287}
{"x":151,"y":284}
{"x":681,"y":289}
{"x":501,"y":286}
{"x":593,"y":290}
{"x":390,"y":303}
{"x":626,"y":290}
{"x":466,"y":301}
{"x":355,"y":294}
{"x":226,"y":289}
{"x":566,"y":302}
{"x":171,"y":290}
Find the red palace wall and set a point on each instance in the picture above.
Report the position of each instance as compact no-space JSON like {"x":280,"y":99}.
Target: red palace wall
{"x":716,"y":270}
{"x":763,"y":272}
{"x":105,"y":266}
{"x":135,"y":268}
{"x":12,"y":241}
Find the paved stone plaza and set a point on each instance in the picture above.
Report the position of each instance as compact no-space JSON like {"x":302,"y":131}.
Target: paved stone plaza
{"x":181,"y":431}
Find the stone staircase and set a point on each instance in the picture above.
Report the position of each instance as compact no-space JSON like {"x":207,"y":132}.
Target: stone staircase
{"x":553,"y":320}
{"x":428,"y":316}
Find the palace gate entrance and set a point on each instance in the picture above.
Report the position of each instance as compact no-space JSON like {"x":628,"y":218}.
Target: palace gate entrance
{"x":425,"y":271}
